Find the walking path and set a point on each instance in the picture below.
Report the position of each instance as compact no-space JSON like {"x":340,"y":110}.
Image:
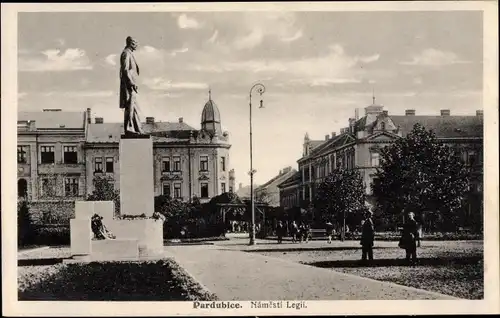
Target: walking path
{"x":236,"y":275}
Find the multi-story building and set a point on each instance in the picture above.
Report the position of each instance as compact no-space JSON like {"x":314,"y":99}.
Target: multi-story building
{"x":358,"y":146}
{"x":269,"y":191}
{"x":60,"y":154}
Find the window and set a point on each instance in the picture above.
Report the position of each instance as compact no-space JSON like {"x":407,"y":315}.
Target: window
{"x":166,"y":189}
{"x":223,"y":163}
{"x":48,"y":187}
{"x":110,"y":164}
{"x":382,"y":125}
{"x":165,"y":164}
{"x":204,"y":190}
{"x":98,"y":164}
{"x":177,"y":191}
{"x":70,"y":155}
{"x":230,"y":189}
{"x":375,"y":159}
{"x":22,"y":154}
{"x":223,"y":187}
{"x":203,"y":163}
{"x":177,"y":163}
{"x":47,"y":154}
{"x":71,"y":187}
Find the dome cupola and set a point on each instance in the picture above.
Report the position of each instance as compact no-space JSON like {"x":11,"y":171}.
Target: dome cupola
{"x":210,"y":117}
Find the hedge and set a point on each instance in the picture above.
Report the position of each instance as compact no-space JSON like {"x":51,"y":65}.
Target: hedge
{"x":52,"y":235}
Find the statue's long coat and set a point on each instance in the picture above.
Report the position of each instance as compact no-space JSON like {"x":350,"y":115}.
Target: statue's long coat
{"x":129,"y":71}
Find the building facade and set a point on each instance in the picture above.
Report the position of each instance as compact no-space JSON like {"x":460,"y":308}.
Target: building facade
{"x":358,"y":147}
{"x":61,"y":153}
{"x":269,"y":191}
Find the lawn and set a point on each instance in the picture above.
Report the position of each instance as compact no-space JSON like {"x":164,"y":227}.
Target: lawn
{"x":451,"y":268}
{"x":50,"y":279}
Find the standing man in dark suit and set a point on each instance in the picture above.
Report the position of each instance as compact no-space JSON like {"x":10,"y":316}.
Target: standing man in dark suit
{"x":129,"y":71}
{"x":409,"y":238}
{"x":367,"y":236}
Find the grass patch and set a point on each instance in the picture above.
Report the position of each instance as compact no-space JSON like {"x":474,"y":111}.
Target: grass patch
{"x":458,"y":280}
{"x":453,"y":268}
{"x":162,"y":280}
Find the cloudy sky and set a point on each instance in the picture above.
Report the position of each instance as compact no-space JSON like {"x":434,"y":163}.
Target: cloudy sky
{"x":317,"y":68}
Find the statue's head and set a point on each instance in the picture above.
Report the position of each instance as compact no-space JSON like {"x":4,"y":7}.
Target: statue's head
{"x":131,"y":43}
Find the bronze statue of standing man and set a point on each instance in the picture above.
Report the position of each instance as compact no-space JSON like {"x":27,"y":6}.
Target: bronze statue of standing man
{"x":129,"y":71}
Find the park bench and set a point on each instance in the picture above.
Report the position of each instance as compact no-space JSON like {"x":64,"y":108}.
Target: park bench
{"x":318,"y":233}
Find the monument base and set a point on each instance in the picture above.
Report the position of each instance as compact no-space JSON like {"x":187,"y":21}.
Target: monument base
{"x":135,"y":239}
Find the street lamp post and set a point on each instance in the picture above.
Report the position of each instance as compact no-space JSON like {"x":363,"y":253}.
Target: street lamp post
{"x":260,"y":89}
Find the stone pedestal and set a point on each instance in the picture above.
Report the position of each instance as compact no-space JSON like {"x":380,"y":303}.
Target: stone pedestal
{"x":136,"y":176}
{"x":80,"y":236}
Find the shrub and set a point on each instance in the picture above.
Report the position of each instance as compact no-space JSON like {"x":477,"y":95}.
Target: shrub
{"x":53,"y":235}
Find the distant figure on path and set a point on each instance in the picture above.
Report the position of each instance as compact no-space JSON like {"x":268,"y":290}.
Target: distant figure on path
{"x":295,"y":231}
{"x":129,"y":71}
{"x":409,"y":238}
{"x":301,"y":232}
{"x":280,"y":230}
{"x":307,"y":232}
{"x":367,"y":236}
{"x":329,"y":231}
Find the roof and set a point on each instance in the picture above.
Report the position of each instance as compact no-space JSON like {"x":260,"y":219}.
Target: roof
{"x":54,"y":119}
{"x":316,"y":143}
{"x":443,"y":126}
{"x":111,"y":132}
{"x":328,"y":142}
{"x":292,"y":179}
{"x":210,"y":112}
{"x":280,"y":177}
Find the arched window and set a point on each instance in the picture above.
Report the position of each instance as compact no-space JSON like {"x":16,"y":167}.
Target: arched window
{"x":22,"y":188}
{"x":382,"y":125}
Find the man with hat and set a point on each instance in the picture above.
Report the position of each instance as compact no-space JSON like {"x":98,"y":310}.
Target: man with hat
{"x":367,"y":236}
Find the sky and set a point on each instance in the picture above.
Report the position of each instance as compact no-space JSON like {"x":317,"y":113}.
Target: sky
{"x":317,"y":67}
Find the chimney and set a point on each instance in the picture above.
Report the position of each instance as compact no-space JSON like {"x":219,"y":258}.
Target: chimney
{"x":240,"y":185}
{"x":89,"y":116}
{"x":287,"y":169}
{"x":99,"y":120}
{"x":410,"y":112}
{"x":479,"y":112}
{"x":385,"y":112}
{"x":327,"y":137}
{"x":150,"y":120}
{"x":181,"y":120}
{"x":356,"y":113}
{"x":445,"y":112}
{"x":334,"y":134}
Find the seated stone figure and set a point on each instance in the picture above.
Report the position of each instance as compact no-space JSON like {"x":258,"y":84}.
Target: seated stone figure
{"x":99,"y":229}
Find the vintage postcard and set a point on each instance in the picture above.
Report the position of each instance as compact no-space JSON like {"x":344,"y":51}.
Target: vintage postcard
{"x":250,"y":159}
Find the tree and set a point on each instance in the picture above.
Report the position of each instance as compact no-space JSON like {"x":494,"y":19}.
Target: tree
{"x":419,"y":173}
{"x":104,"y":190}
{"x":340,"y":196}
